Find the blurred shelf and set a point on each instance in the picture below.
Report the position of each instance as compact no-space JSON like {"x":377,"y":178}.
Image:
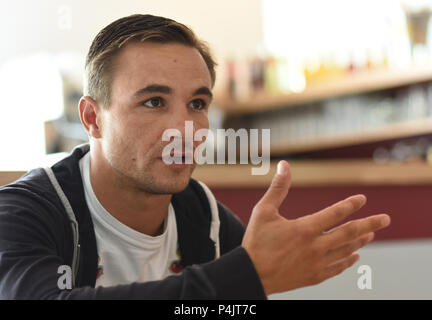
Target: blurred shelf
{"x":386,"y":132}
{"x":319,"y":174}
{"x":356,"y":83}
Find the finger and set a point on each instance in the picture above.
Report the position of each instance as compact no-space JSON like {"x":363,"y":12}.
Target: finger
{"x":356,"y":228}
{"x":279,"y":187}
{"x":337,"y":268}
{"x":347,"y":249}
{"x":330,"y":216}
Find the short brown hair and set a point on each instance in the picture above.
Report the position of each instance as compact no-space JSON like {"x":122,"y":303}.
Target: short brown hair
{"x":137,"y":27}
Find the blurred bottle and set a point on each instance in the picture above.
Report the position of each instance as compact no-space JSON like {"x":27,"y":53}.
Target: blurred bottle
{"x":311,"y":68}
{"x":283,"y":75}
{"x":271,"y":75}
{"x":231,"y":78}
{"x":257,"y":68}
{"x":243,"y":78}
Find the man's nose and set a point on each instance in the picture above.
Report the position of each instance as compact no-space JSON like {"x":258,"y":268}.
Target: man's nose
{"x":180,"y":128}
{"x":178,"y":119}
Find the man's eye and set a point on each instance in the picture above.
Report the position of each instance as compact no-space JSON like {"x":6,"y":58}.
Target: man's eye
{"x":197,"y":104}
{"x":153,"y":103}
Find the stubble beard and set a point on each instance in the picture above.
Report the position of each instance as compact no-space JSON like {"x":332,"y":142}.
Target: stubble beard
{"x":150,"y":184}
{"x":164,"y":182}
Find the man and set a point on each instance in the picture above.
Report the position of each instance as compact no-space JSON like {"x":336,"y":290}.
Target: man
{"x":113,"y":220}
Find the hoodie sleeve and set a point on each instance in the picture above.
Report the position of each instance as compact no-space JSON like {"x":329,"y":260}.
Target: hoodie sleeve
{"x":32,"y":250}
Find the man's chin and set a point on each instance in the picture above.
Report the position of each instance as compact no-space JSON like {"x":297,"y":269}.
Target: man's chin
{"x":167,"y":188}
{"x":170,"y":182}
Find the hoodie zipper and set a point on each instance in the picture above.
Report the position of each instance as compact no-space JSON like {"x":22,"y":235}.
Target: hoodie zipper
{"x":74,"y":223}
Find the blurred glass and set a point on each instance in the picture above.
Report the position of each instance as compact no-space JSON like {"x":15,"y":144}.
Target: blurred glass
{"x":417,"y":20}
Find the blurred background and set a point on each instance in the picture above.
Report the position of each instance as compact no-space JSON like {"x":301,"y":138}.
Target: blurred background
{"x":345,"y":87}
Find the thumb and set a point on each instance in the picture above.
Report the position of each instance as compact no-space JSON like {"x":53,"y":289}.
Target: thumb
{"x":279,"y":186}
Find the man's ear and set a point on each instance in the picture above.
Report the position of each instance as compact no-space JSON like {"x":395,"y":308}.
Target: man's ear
{"x":91,"y":115}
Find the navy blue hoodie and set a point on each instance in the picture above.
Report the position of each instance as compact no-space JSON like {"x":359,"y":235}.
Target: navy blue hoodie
{"x":36,"y":238}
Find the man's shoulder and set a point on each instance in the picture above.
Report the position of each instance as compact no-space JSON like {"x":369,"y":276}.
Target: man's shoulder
{"x":37,"y":181}
{"x":34,"y":184}
{"x":34,"y":193}
{"x":30,"y":200}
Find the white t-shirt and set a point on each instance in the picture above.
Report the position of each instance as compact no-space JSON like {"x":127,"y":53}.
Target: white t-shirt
{"x":126,"y":255}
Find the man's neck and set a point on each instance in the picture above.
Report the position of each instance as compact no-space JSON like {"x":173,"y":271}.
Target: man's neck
{"x":139,"y":210}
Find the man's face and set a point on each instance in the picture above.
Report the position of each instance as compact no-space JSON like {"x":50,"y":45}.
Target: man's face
{"x":155,"y":87}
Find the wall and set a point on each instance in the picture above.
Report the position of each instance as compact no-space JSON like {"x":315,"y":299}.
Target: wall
{"x":70,"y":25}
{"x":62,"y":31}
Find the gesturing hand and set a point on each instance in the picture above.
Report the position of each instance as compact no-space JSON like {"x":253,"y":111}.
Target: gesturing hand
{"x":289,"y":254}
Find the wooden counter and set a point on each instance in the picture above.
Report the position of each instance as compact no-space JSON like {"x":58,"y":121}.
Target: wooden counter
{"x":305,"y":174}
{"x":320,"y":173}
{"x":10,"y":176}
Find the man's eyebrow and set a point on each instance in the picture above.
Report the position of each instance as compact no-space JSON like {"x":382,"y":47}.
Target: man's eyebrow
{"x":203,"y":90}
{"x":157,"y":88}
{"x":153,"y":88}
